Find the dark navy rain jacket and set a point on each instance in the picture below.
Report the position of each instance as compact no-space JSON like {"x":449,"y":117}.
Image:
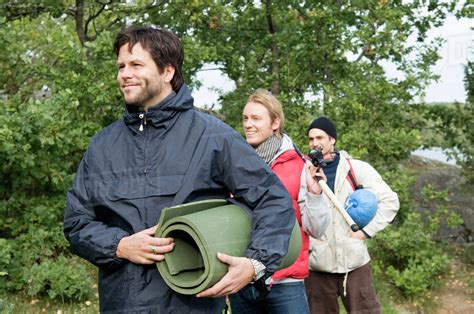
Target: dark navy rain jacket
{"x":171,"y":155}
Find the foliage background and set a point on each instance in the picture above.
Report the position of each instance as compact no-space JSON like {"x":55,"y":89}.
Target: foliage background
{"x":58,"y":89}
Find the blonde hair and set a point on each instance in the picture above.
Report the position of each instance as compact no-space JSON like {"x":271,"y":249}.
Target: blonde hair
{"x":273,"y":105}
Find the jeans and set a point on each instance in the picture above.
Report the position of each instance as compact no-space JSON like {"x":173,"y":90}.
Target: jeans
{"x":284,"y":298}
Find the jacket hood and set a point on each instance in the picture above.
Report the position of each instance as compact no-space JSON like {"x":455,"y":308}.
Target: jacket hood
{"x":286,"y":145}
{"x":163,"y":111}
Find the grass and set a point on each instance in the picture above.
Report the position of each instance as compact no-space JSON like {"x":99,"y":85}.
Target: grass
{"x":455,"y":291}
{"x":18,"y":304}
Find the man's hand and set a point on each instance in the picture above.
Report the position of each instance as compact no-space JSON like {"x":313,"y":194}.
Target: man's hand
{"x":240,"y":272}
{"x":358,"y":235}
{"x":311,"y":178}
{"x":143,"y":248}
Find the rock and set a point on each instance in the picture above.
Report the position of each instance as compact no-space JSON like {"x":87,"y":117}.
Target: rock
{"x":445,"y":177}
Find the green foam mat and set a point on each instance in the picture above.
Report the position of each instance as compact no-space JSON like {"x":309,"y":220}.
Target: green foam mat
{"x":201,"y":230}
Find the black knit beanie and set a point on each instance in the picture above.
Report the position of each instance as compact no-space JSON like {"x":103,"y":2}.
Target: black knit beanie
{"x":324,"y":124}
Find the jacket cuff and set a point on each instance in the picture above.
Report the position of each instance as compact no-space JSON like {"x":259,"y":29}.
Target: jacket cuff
{"x":118,"y":238}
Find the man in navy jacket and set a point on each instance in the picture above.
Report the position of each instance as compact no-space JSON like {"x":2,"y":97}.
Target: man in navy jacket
{"x":163,"y":153}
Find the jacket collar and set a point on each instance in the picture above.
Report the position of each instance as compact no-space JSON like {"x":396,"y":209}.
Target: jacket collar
{"x":286,"y":152}
{"x":286,"y":145}
{"x":162,"y":112}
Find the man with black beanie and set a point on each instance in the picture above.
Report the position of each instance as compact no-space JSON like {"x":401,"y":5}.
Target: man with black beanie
{"x":339,"y":262}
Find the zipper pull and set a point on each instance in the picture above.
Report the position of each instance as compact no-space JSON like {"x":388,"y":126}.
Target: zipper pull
{"x":141,"y":115}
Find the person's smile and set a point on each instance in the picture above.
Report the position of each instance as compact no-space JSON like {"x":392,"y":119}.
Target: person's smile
{"x":130,"y":85}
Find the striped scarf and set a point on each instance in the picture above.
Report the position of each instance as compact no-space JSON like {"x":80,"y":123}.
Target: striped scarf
{"x":269,"y":148}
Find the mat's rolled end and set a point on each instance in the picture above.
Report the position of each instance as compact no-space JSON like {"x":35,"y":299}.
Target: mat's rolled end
{"x":200,"y":230}
{"x":293,"y":248}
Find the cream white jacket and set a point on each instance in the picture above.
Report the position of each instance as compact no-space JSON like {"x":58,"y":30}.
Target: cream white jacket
{"x":336,"y":251}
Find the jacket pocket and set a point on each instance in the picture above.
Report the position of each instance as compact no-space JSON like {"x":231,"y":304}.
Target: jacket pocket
{"x":355,"y":252}
{"x":320,"y":256}
{"x":143,"y":187}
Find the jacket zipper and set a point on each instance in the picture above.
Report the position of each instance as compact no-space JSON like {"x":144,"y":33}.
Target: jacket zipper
{"x":142,"y":127}
{"x":142,"y":122}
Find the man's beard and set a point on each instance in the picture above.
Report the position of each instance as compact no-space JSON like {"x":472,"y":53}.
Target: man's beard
{"x":149,"y":92}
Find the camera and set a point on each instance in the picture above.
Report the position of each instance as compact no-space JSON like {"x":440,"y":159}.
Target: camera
{"x":317,"y":157}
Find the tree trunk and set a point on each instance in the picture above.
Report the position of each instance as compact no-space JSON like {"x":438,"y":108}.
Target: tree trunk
{"x":79,"y":19}
{"x":275,"y":52}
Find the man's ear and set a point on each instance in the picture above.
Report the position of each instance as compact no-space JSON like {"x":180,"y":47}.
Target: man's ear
{"x":169,"y":73}
{"x":332,"y":140}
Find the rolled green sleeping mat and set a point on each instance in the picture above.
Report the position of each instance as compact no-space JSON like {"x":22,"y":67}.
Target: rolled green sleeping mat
{"x":200,"y":230}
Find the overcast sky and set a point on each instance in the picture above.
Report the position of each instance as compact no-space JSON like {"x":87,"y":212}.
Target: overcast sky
{"x":455,"y":52}
{"x":457,"y":49}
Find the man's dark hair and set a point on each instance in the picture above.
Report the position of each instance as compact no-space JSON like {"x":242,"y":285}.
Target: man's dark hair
{"x":164,"y":47}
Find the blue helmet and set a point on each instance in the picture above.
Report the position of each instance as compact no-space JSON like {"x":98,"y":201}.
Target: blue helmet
{"x":361,"y":206}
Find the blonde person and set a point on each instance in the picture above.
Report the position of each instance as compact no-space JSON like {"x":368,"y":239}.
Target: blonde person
{"x":283,"y":292}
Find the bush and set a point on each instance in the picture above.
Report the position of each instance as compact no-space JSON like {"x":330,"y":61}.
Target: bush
{"x":42,"y":140}
{"x":35,"y":256}
{"x":6,"y":306}
{"x":407,"y":254}
{"x":413,"y":261}
{"x":64,"y":278}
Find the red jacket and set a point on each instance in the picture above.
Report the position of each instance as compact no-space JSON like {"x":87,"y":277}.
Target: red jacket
{"x":288,"y":167}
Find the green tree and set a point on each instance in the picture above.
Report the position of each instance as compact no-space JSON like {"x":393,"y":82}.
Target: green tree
{"x":54,"y":101}
{"x":450,"y":126}
{"x":58,"y":89}
{"x":335,"y":51}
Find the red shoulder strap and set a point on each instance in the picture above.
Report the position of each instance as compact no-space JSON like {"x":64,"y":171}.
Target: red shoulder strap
{"x":351,"y":177}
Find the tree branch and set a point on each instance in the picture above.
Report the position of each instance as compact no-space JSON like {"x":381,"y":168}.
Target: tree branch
{"x":93,"y":17}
